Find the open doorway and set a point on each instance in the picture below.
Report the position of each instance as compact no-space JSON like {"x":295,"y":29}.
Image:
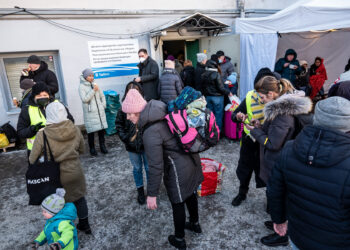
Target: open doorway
{"x":181,"y":50}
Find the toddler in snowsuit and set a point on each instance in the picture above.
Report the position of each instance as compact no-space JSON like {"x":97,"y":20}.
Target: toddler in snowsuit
{"x":59,"y":231}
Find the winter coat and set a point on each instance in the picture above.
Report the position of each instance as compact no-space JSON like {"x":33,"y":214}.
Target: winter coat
{"x":181,"y":172}
{"x":170,"y":85}
{"x":149,"y":74}
{"x":312,"y":175}
{"x":66,"y":143}
{"x":43,"y":74}
{"x":60,"y":228}
{"x":286,"y":72}
{"x":280,"y":125}
{"x":94,"y":104}
{"x":212,"y":84}
{"x":24,"y":129}
{"x":226,"y":68}
{"x":187,"y":76}
{"x":200,"y":69}
{"x":340,"y":89}
{"x":126,"y":131}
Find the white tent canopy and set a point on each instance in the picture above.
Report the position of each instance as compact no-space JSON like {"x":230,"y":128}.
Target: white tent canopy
{"x":259,"y":39}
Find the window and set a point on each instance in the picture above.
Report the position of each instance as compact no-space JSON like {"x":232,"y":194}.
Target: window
{"x":11,"y":66}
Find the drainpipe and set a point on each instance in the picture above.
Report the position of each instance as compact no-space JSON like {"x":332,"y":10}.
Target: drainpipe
{"x":240,"y":7}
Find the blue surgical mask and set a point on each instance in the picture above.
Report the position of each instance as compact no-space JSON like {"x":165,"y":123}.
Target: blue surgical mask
{"x":220,"y":61}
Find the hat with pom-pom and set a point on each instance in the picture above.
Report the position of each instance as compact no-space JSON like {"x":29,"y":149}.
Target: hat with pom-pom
{"x":54,"y":202}
{"x":134,"y":102}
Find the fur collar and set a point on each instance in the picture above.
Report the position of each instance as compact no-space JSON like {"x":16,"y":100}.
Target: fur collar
{"x":289,"y":104}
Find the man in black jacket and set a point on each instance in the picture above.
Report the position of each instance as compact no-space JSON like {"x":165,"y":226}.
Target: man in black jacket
{"x":148,"y":75}
{"x":200,"y":69}
{"x":38,"y":71}
{"x":310,"y":184}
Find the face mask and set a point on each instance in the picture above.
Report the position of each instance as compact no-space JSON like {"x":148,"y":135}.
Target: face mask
{"x":42,"y":101}
{"x":142,"y":59}
{"x":220,"y":61}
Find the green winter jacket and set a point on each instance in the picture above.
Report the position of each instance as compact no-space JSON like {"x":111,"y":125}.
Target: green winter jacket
{"x":61,"y":229}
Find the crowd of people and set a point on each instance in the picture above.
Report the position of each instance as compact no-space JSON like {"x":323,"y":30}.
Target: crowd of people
{"x":297,"y":150}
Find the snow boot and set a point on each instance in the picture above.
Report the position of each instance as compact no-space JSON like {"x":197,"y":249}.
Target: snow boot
{"x":141,"y":199}
{"x":193,"y":226}
{"x":84,"y":226}
{"x":178,"y":243}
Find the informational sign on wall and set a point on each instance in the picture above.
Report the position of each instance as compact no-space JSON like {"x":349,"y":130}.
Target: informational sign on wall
{"x":112,"y":58}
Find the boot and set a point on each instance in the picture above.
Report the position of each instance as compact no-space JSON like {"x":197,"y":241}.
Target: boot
{"x":84,"y":226}
{"x":178,"y":243}
{"x":274,"y":240}
{"x":93,"y":152}
{"x":141,"y":199}
{"x":193,"y":226}
{"x":103,"y":149}
{"x":238,"y":199}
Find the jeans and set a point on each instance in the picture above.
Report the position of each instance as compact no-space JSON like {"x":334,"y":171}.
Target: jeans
{"x":101,"y":138}
{"x":294,"y":247}
{"x":179,"y":214}
{"x":137,"y":160}
{"x":216,"y":104}
{"x":82,"y":209}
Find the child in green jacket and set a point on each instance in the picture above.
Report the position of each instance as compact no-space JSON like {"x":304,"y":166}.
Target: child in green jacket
{"x":59,"y":232}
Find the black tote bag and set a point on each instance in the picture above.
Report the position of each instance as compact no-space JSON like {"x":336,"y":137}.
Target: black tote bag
{"x":43,"y":178}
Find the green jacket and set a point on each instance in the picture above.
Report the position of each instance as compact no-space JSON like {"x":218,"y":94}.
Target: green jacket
{"x":61,"y":229}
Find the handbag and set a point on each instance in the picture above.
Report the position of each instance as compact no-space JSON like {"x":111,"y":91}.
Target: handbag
{"x":43,"y":178}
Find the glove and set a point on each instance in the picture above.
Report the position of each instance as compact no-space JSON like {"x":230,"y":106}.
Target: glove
{"x":37,"y":127}
{"x":34,"y":245}
{"x":55,"y":246}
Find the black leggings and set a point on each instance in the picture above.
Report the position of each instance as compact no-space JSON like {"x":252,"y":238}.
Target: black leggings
{"x":179,"y":214}
{"x":82,"y":209}
{"x":101,"y":138}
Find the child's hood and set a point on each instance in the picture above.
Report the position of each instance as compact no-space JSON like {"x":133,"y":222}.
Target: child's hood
{"x":68,"y":212}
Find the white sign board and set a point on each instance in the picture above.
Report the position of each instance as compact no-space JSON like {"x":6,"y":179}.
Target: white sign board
{"x":113,"y":58}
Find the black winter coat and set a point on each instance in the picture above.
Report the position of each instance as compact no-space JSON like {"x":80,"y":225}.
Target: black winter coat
{"x":170,"y":85}
{"x":340,"y":89}
{"x":312,"y":174}
{"x":212,"y":83}
{"x":187,"y":76}
{"x":280,"y":126}
{"x":126,"y":131}
{"x":43,"y":74}
{"x":24,"y":129}
{"x":286,"y":72}
{"x":181,"y":172}
{"x":149,"y":73}
{"x":200,"y":69}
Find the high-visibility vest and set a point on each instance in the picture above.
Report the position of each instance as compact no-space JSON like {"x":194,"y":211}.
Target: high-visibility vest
{"x":35,"y":116}
{"x":254,"y":109}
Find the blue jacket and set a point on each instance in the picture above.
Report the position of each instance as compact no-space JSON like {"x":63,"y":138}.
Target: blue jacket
{"x":286,"y":72}
{"x":60,"y":228}
{"x":310,"y":187}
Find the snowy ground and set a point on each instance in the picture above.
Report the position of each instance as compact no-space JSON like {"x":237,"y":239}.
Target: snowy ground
{"x":118,"y":222}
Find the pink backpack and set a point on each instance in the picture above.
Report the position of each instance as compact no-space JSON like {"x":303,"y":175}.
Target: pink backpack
{"x":189,"y":138}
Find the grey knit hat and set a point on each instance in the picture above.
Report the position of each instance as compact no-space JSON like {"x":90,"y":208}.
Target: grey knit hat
{"x":333,"y":113}
{"x":87,"y":72}
{"x":54,"y":202}
{"x":26,"y":84}
{"x":201,"y":57}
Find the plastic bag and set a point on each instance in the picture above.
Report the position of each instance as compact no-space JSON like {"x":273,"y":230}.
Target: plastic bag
{"x":213,"y":173}
{"x":112,"y":107}
{"x":235,"y":102}
{"x":4,"y":142}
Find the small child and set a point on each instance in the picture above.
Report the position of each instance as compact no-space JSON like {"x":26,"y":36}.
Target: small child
{"x":59,"y":232}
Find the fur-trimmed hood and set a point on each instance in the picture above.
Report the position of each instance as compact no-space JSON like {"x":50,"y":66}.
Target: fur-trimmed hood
{"x":289,"y":104}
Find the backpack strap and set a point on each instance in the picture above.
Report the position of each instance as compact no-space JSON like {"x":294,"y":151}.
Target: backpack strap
{"x":178,"y":131}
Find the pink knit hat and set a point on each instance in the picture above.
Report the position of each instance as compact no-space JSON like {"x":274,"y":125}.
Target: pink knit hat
{"x":134,"y":102}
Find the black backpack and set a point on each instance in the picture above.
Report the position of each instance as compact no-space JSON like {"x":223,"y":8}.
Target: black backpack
{"x":10,"y":132}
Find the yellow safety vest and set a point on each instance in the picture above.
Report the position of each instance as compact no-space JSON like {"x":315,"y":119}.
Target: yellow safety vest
{"x":35,"y":116}
{"x":255,"y":109}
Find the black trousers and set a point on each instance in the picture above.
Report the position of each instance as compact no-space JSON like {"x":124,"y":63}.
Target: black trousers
{"x":249,"y":162}
{"x":179,"y":214}
{"x":101,"y":138}
{"x":82,"y":209}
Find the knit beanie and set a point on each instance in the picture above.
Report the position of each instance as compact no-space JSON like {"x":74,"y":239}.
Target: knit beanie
{"x":302,"y":62}
{"x":26,"y":84}
{"x":262,"y":73}
{"x":333,"y":113}
{"x":39,"y":87}
{"x":134,"y":102}
{"x":201,"y":57}
{"x":34,"y":59}
{"x":87,"y":72}
{"x":54,"y":202}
